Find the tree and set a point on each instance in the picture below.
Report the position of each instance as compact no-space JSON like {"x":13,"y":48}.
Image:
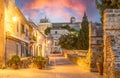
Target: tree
{"x":106,"y":4}
{"x":47,"y":30}
{"x":83,"y":36}
{"x":66,"y":27}
{"x":72,"y":30}
{"x":68,"y":41}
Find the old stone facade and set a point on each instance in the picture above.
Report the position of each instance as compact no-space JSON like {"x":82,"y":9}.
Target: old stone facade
{"x":112,"y":43}
{"x":19,"y":36}
{"x":95,"y":44}
{"x":57,"y":31}
{"x":96,"y":37}
{"x":73,"y":24}
{"x":43,"y":24}
{"x":79,"y":57}
{"x":56,"y":34}
{"x":16,"y":32}
{"x":39,"y":43}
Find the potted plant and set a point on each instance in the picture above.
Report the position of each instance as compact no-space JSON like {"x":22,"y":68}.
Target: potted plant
{"x":14,"y":62}
{"x":99,"y":63}
{"x":39,"y":62}
{"x":47,"y":60}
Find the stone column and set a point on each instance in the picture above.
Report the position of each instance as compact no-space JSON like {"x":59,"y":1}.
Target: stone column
{"x":112,"y":43}
{"x":2,"y":32}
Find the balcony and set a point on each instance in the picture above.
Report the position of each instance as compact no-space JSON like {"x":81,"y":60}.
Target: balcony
{"x":33,"y":39}
{"x":14,"y":37}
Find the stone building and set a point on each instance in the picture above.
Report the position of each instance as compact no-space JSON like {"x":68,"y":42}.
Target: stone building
{"x":111,"y":43}
{"x":95,"y":43}
{"x":56,"y":33}
{"x":39,"y":43}
{"x":16,"y":32}
{"x":57,"y":30}
{"x":96,"y":37}
{"x":73,"y":24}
{"x":18,"y":36}
{"x":43,"y":24}
{"x":49,"y":45}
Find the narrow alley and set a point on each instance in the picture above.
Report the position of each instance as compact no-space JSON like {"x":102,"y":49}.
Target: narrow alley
{"x":59,"y":68}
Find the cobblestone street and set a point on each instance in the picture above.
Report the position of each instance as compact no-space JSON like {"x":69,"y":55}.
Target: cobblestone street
{"x":59,"y":68}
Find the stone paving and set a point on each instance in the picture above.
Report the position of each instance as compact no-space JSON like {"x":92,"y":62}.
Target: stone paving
{"x":59,"y":68}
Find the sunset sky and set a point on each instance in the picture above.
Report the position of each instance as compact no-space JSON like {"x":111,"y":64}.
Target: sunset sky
{"x":58,"y":10}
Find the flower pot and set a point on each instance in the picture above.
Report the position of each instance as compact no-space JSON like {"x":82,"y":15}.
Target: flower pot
{"x":39,"y":66}
{"x":44,"y":63}
{"x":47,"y":61}
{"x":100,"y":67}
{"x":14,"y":66}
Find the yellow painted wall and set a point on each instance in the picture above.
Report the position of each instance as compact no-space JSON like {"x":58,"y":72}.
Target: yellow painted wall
{"x":2,"y":37}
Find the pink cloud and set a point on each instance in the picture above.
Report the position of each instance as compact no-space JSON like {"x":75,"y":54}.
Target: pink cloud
{"x":54,"y":8}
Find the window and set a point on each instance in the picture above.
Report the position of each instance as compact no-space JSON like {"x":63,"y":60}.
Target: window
{"x":22,"y":28}
{"x":22,"y":50}
{"x":17,"y":27}
{"x":99,"y":50}
{"x":56,"y":44}
{"x":55,"y":32}
{"x":99,"y":41}
{"x":26,"y":33}
{"x":26,"y":50}
{"x":17,"y":48}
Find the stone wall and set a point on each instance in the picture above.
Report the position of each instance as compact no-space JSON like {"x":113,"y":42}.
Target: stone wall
{"x":112,"y":43}
{"x":85,"y":59}
{"x":79,"y":57}
{"x":80,"y":61}
{"x":95,"y":44}
{"x":78,"y":52}
{"x":94,"y":58}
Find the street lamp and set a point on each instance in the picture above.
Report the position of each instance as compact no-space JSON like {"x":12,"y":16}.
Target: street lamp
{"x":14,"y":19}
{"x":48,"y":42}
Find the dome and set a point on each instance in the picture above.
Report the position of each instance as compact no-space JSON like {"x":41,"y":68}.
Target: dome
{"x":72,"y":17}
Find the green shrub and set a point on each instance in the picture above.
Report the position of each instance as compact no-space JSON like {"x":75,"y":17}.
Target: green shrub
{"x":14,"y":60}
{"x":38,"y":60}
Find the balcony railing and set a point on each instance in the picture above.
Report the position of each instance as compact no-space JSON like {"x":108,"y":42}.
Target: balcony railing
{"x":33,"y":38}
{"x":15,"y":37}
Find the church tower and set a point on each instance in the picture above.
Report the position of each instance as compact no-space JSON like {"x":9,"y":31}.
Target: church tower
{"x":85,"y":17}
{"x":72,"y":20}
